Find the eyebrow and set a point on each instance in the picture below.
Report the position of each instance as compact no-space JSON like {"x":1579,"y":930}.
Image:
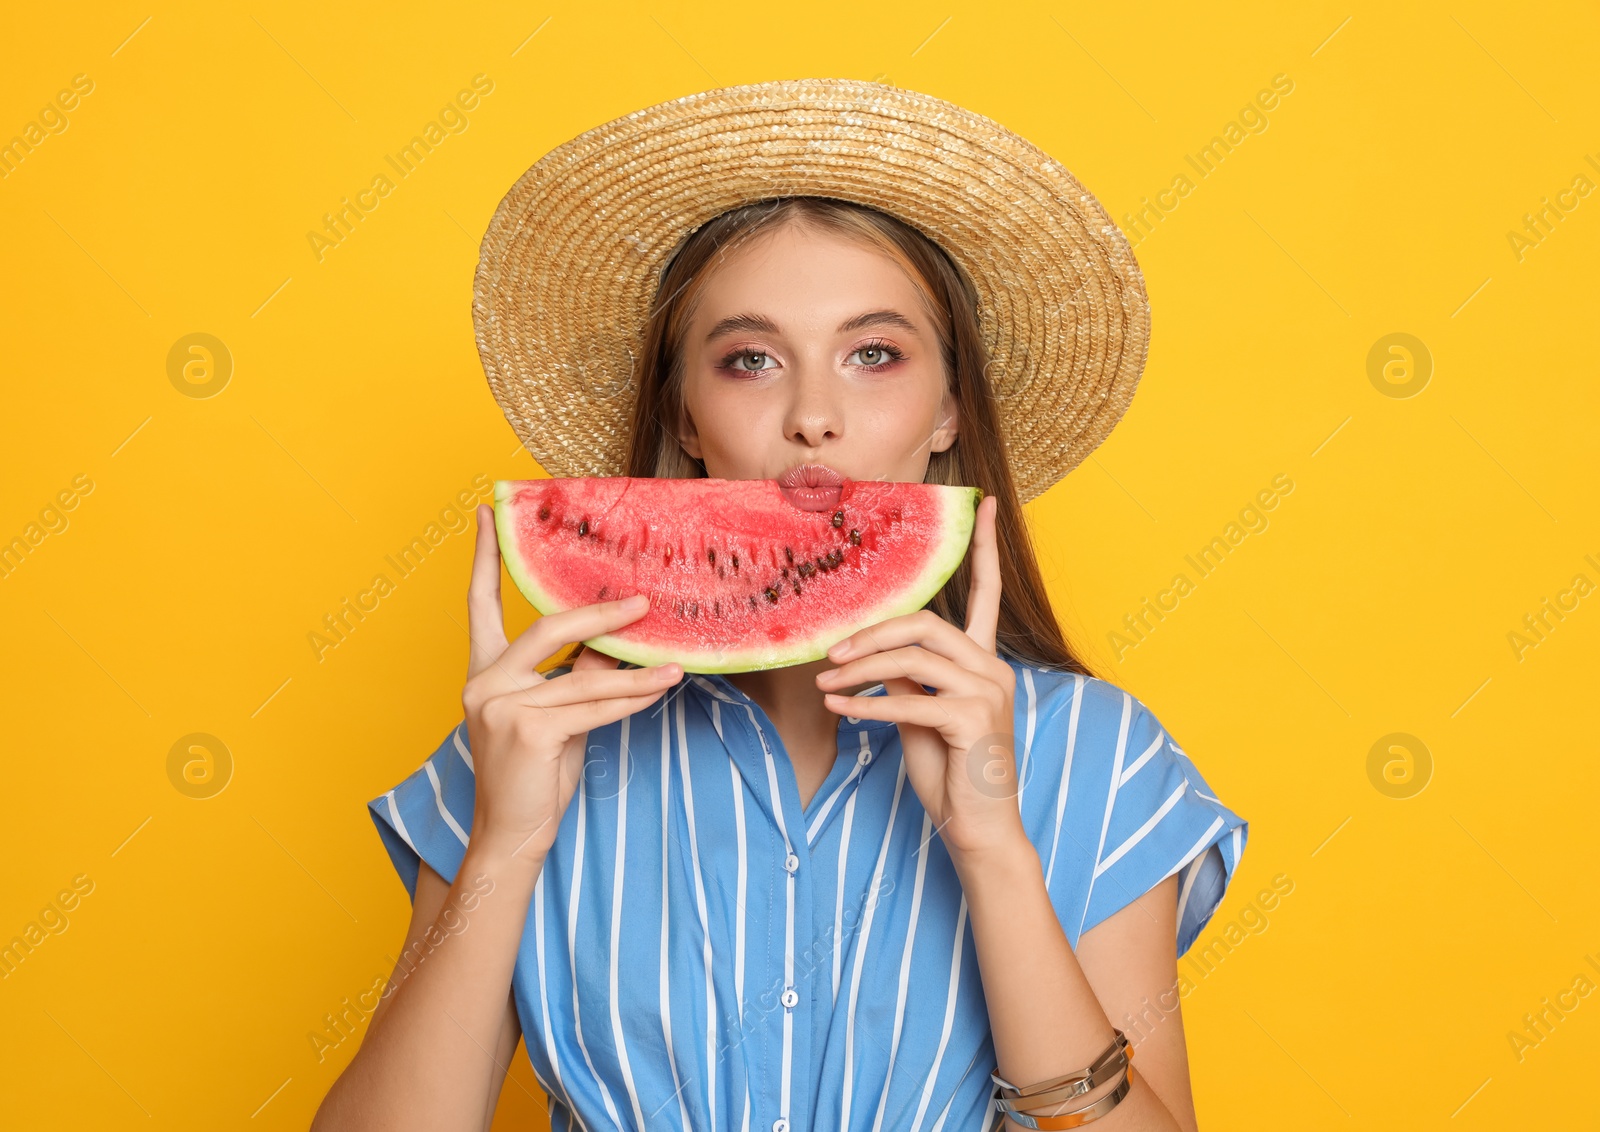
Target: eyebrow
{"x":751,"y":322}
{"x":756,"y":323}
{"x":877,"y":318}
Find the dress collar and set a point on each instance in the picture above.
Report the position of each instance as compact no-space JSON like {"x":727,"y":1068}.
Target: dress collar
{"x":716,"y":685}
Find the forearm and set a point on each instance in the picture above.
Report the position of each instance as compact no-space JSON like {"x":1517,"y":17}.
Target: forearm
{"x":1043,"y":1014}
{"x":427,"y":1061}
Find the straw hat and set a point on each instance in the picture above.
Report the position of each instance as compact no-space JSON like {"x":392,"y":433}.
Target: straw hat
{"x":571,"y":259}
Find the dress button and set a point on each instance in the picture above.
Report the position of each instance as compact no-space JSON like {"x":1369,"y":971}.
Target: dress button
{"x":780,"y":1125}
{"x":853,"y":718}
{"x":790,"y":998}
{"x":791,"y":863}
{"x":864,"y":756}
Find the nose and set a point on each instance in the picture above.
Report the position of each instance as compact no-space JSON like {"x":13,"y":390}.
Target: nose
{"x":815,"y":413}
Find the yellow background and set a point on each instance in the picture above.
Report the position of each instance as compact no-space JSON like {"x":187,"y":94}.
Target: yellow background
{"x":221,"y":530}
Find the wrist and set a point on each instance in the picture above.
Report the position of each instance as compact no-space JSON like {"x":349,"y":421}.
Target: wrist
{"x":998,"y":866}
{"x":504,"y":854}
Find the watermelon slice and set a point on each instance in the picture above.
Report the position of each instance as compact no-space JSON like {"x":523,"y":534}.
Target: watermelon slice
{"x":739,"y":578}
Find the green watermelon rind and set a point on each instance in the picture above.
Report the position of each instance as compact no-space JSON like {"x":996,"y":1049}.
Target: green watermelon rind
{"x":960,"y":515}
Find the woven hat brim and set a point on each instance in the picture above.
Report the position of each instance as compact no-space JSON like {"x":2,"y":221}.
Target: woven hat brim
{"x":570,"y":261}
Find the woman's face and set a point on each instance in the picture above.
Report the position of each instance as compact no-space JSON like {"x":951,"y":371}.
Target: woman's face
{"x":810,"y":348}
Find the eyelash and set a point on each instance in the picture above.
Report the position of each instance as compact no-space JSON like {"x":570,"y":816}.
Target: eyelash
{"x":889,"y":348}
{"x":893,"y":352}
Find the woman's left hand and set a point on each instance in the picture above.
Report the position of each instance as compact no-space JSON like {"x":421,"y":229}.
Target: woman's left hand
{"x":957,"y":742}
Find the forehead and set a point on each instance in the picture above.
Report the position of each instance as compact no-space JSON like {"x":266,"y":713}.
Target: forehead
{"x":803,"y":269}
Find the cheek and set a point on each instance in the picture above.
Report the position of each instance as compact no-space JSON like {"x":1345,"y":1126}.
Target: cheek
{"x":732,"y":418}
{"x":898,"y":417}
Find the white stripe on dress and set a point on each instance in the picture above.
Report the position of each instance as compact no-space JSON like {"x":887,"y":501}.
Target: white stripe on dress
{"x":1111,"y":800}
{"x":951,"y":992}
{"x":705,"y":926}
{"x":1193,"y":852}
{"x":788,"y":918}
{"x":861,"y":953}
{"x":1189,"y":879}
{"x":1143,"y":831}
{"x":827,"y":806}
{"x":739,"y":914}
{"x":1066,"y":772}
{"x":572,"y":952}
{"x":438,"y":797}
{"x":461,"y":749}
{"x":544,"y":997}
{"x":666,"y":908}
{"x":1142,"y":759}
{"x":1027,"y":742}
{"x":616,"y":927}
{"x":838,"y":897}
{"x":400,"y":826}
{"x":905,"y":966}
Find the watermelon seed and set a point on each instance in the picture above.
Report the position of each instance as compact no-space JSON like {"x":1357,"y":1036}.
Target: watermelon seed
{"x":789,"y":554}
{"x":805,"y":569}
{"x":717,"y":608}
{"x":583,"y":528}
{"x":797,"y":589}
{"x":836,"y":557}
{"x":752,"y":601}
{"x":855,"y":537}
{"x":838,"y":518}
{"x":772,"y":593}
{"x":694,"y":609}
{"x":544,"y":511}
{"x":711,"y":555}
{"x":821,"y":564}
{"x":601,"y":596}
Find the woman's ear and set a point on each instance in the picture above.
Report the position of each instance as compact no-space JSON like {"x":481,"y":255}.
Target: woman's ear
{"x":689,"y":436}
{"x":945,"y":434}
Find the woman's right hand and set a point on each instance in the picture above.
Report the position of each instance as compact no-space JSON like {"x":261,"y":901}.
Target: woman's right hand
{"x":529,"y":734}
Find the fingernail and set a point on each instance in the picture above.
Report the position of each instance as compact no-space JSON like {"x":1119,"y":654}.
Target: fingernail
{"x":839,"y":649}
{"x":670,"y":671}
{"x":637,"y":601}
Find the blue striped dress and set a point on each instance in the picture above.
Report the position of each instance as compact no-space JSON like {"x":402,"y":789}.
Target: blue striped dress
{"x":703,"y":952}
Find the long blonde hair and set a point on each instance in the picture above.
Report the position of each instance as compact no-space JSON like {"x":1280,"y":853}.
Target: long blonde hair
{"x":1028,"y":631}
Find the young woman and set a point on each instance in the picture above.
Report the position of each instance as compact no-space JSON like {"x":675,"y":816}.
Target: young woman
{"x":947,"y":863}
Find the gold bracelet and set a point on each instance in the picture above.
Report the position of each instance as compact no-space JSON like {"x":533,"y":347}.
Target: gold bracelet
{"x":1071,"y":1090}
{"x":1074,"y":1084}
{"x":1074,"y":1119}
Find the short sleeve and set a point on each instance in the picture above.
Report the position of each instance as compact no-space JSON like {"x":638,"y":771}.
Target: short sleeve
{"x":1127,"y":810}
{"x":428,"y":815}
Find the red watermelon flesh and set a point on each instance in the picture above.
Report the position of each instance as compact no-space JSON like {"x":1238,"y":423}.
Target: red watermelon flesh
{"x":739,"y":578}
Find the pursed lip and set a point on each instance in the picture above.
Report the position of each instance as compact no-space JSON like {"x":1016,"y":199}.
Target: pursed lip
{"x":811,"y":487}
